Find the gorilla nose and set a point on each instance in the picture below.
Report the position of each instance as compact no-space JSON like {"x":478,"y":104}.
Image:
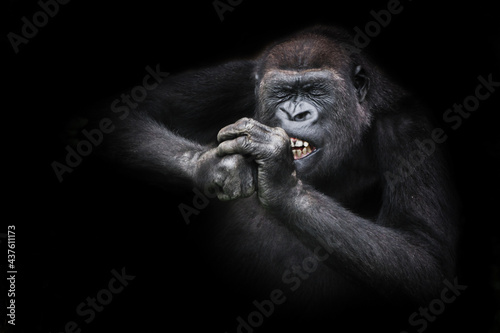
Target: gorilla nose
{"x":303,"y":112}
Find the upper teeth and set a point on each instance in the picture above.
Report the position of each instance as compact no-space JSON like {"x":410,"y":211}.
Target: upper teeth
{"x":298,"y":143}
{"x":300,"y":148}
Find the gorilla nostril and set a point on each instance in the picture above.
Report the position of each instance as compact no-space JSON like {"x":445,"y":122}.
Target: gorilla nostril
{"x":297,"y":112}
{"x":303,"y":116}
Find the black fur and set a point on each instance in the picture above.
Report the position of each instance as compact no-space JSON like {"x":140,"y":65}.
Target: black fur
{"x":387,"y":241}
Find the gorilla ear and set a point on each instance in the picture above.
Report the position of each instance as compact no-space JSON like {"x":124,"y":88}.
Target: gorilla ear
{"x":361,"y":83}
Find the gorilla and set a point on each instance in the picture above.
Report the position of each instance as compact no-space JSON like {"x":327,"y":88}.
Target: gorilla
{"x":310,"y":150}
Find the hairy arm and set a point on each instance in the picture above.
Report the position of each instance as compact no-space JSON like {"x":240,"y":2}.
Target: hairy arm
{"x":170,"y":137}
{"x":393,"y":261}
{"x":407,"y":250}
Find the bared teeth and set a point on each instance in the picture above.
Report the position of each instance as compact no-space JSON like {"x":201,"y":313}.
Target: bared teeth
{"x":298,"y":143}
{"x":300,"y":148}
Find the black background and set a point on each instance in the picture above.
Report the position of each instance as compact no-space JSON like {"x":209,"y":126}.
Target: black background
{"x":70,"y":235}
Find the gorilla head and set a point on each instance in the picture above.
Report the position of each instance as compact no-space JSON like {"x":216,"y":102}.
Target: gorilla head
{"x":317,"y":89}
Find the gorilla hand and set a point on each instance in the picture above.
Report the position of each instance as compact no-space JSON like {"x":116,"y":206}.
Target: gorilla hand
{"x":230,"y":177}
{"x":271,"y":150}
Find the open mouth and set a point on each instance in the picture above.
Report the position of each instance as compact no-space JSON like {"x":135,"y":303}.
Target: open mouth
{"x":301,"y":148}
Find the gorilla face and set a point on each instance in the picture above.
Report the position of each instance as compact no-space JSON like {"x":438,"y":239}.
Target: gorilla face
{"x":319,"y":111}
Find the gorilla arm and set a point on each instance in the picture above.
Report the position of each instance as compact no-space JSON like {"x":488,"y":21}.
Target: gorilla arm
{"x":170,"y":137}
{"x":400,"y":253}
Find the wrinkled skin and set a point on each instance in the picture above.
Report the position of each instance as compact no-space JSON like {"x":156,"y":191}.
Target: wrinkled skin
{"x":270,"y":149}
{"x":230,"y":177}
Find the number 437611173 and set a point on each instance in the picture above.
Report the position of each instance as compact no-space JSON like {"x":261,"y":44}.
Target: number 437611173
{"x":11,"y":244}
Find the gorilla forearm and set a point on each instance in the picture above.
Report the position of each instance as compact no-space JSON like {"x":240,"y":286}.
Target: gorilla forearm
{"x":145,"y":145}
{"x":170,"y":134}
{"x":383,"y":257}
{"x":379,"y":256}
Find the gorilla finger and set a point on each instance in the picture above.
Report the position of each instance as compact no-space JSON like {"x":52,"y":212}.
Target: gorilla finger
{"x":244,"y":126}
{"x":231,"y":190}
{"x":239,"y":128}
{"x":223,"y":196}
{"x":212,"y":190}
{"x":240,"y":145}
{"x":250,"y":127}
{"x":248,"y":188}
{"x":248,"y":182}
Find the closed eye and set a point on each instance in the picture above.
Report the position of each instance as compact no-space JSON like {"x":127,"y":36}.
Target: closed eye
{"x":281,"y":94}
{"x":316,"y":92}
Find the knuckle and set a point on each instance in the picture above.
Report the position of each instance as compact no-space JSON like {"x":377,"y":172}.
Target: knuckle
{"x":223,"y":197}
{"x":280,"y":132}
{"x":280,"y":142}
{"x":241,"y":121}
{"x":247,"y":123}
{"x":281,"y":137}
{"x":284,"y":142}
{"x":244,"y":141}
